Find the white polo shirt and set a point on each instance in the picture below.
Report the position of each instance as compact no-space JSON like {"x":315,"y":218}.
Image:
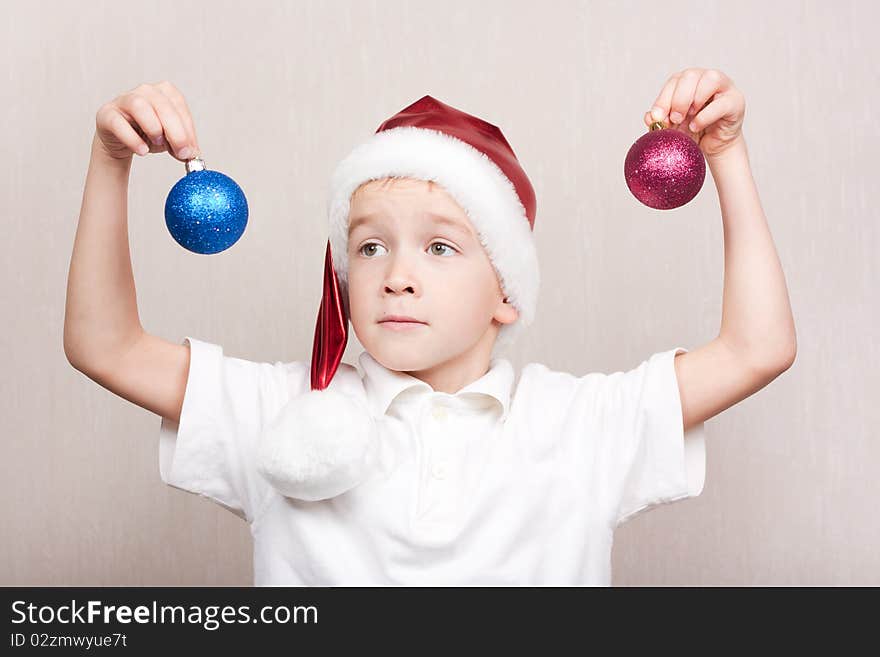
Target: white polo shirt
{"x":498,"y":484}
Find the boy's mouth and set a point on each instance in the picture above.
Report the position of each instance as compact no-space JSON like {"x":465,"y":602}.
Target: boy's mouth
{"x":401,"y":323}
{"x":400,"y":319}
{"x":401,"y":326}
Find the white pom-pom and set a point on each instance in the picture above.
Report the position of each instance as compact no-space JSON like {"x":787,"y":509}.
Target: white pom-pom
{"x":321,"y":444}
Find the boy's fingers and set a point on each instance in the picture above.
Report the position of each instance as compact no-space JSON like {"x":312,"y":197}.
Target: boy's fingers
{"x":687,"y":94}
{"x":142,"y":113}
{"x":176,"y":98}
{"x":660,"y":110}
{"x":175,"y":131}
{"x":126,"y":132}
{"x":711,"y":113}
{"x":710,"y":83}
{"x":683,"y":95}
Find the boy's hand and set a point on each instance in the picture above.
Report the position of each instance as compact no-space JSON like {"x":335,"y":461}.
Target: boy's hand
{"x":684,"y":104}
{"x":151,"y":118}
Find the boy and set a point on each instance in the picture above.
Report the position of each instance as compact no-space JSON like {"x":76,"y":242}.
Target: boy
{"x":428,"y":465}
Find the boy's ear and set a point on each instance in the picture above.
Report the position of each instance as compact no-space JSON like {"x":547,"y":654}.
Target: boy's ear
{"x":506,"y":313}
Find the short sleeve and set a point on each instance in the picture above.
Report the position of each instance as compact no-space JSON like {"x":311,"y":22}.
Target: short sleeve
{"x":650,"y":459}
{"x":211,"y":450}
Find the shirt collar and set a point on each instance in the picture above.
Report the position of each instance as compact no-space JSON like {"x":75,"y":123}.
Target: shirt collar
{"x":383,"y":385}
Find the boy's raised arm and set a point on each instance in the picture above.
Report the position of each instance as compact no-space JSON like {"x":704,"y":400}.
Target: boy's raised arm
{"x":757,"y":340}
{"x":101,"y":315}
{"x":103,"y":335}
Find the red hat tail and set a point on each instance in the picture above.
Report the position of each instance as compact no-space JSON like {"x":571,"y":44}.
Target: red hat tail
{"x":331,"y":329}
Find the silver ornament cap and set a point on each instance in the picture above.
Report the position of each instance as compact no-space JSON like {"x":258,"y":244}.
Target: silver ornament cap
{"x":195,"y":164}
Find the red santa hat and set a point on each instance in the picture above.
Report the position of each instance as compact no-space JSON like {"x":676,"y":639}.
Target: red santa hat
{"x":314,"y":450}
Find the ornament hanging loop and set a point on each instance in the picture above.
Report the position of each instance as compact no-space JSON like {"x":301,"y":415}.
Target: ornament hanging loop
{"x":657,"y":125}
{"x":195,"y":164}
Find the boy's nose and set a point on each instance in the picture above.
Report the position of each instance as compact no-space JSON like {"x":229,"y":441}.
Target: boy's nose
{"x":399,"y":282}
{"x":391,"y":287}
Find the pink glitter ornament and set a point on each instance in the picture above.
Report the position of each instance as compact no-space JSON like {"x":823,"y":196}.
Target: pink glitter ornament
{"x":664,"y":168}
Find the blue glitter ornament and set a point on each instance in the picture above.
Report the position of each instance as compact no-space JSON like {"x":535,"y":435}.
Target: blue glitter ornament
{"x":206,"y":211}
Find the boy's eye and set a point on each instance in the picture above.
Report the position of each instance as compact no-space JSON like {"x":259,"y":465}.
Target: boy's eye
{"x":374,"y":244}
{"x":366,"y":246}
{"x":450,"y":250}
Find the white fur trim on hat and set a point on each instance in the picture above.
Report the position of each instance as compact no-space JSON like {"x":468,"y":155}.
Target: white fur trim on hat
{"x":472,"y":179}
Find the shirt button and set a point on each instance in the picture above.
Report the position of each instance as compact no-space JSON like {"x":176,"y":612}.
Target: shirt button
{"x":439,"y":470}
{"x":439,"y":413}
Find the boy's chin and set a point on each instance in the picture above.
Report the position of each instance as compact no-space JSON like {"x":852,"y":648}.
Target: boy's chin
{"x":403,"y":357}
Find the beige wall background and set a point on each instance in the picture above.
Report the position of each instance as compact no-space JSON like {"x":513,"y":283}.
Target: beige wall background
{"x":281,"y":91}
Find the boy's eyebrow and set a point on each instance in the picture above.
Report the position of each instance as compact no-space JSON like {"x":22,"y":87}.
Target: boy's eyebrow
{"x":437,"y":218}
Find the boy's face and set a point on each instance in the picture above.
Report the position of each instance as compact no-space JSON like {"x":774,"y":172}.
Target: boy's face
{"x":401,"y":261}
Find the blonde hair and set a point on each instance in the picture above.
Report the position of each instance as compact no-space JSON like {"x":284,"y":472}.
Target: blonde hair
{"x":388,"y":181}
